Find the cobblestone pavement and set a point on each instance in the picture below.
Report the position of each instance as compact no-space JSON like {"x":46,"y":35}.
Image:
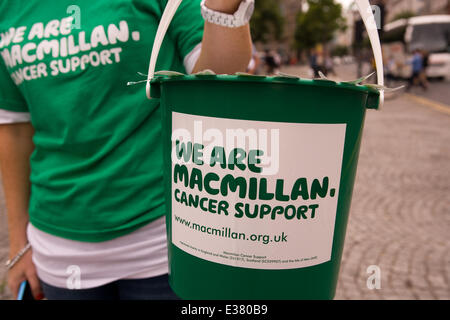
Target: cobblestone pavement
{"x":400,"y":215}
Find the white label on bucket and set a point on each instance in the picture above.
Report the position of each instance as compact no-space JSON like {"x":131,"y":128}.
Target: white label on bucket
{"x":255,"y":194}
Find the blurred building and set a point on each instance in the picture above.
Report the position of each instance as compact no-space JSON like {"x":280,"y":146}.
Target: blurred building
{"x":290,"y":10}
{"x":346,"y":38}
{"x":417,"y":7}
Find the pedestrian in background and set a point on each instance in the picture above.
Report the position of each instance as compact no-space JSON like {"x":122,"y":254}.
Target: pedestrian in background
{"x":389,"y":69}
{"x":329,"y":66}
{"x":313,"y":64}
{"x":417,"y":69}
{"x":425,"y":64}
{"x":273,"y":61}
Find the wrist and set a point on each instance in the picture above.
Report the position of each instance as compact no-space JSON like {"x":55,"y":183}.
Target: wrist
{"x":12,"y":261}
{"x":224,"y":6}
{"x":17,"y":243}
{"x":13,"y":251}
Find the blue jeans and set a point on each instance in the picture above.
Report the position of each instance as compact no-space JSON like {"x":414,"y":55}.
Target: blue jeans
{"x":156,"y":288}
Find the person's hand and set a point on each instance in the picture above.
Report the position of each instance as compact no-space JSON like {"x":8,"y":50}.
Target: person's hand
{"x":225,"y":6}
{"x":23,"y":270}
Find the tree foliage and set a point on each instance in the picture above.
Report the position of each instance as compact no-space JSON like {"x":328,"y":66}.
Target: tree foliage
{"x":319,"y":23}
{"x":267,"y":22}
{"x":340,"y":51}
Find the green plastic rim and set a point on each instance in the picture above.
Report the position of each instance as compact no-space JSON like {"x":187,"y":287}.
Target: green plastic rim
{"x":373,"y":99}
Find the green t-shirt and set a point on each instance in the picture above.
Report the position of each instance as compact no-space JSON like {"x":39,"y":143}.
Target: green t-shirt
{"x":96,"y":172}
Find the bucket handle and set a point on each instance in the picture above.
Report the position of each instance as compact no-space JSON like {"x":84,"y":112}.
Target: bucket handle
{"x":166,"y":19}
{"x":364,"y":8}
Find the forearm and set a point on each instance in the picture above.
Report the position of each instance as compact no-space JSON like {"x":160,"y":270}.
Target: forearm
{"x":225,"y":50}
{"x":16,"y":146}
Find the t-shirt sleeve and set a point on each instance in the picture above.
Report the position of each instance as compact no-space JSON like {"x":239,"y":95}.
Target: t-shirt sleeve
{"x":10,"y":97}
{"x":186,"y":28}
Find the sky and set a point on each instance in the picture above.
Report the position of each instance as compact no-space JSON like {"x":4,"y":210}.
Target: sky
{"x":345,"y":3}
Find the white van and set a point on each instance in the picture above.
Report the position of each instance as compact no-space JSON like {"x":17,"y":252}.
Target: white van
{"x":429,"y":33}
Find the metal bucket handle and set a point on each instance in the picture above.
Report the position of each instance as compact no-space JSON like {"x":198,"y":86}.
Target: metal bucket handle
{"x":364,"y":8}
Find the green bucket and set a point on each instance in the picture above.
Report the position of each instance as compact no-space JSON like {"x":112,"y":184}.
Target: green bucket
{"x":259,"y":174}
{"x":235,"y":232}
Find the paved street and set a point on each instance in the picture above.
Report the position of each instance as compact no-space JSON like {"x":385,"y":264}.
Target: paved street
{"x":400,"y":215}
